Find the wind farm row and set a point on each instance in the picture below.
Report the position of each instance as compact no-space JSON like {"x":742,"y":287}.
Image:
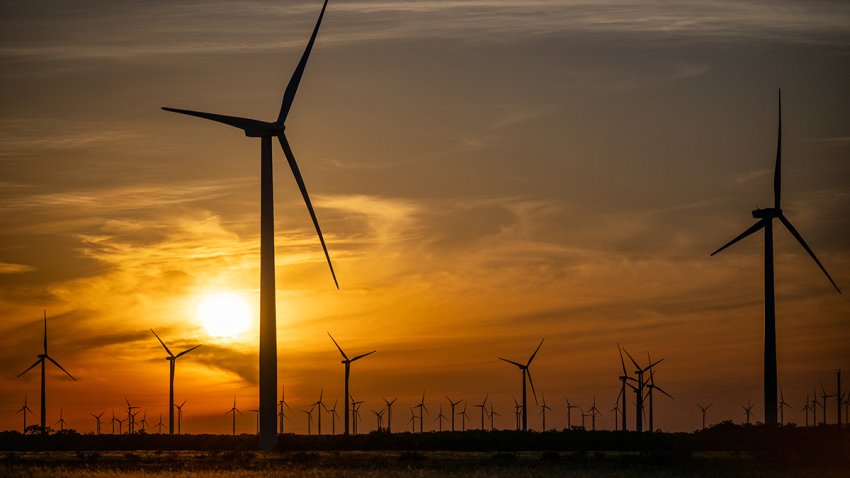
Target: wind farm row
{"x":634,"y":407}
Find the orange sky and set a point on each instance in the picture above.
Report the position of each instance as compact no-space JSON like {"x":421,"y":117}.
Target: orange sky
{"x":487,"y":173}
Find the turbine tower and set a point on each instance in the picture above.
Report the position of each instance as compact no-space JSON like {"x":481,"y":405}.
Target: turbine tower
{"x":526,"y":372}
{"x":26,"y":409}
{"x":765,"y":218}
{"x":347,"y":362}
{"x":172,"y":361}
{"x":41,"y":359}
{"x":268,"y":328}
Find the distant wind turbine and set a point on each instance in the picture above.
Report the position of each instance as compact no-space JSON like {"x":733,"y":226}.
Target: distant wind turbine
{"x":26,"y":409}
{"x":179,"y":416}
{"x":526,"y":372}
{"x":483,"y":407}
{"x":623,"y":383}
{"x":748,"y":411}
{"x":440,"y":418}
{"x":463,"y":418}
{"x":765,"y":218}
{"x":543,"y":409}
{"x":824,"y":396}
{"x":422,"y":410}
{"x":570,"y":407}
{"x":61,"y":421}
{"x":593,"y":413}
{"x":266,"y":131}
{"x":389,"y":413}
{"x":453,"y":404}
{"x":159,"y":425}
{"x":379,"y":416}
{"x":334,"y":416}
{"x":703,"y":409}
{"x":782,"y":405}
{"x":97,"y":422}
{"x":172,"y":361}
{"x":130,"y":416}
{"x":347,"y":362}
{"x":282,"y":403}
{"x":639,"y":371}
{"x":233,"y":411}
{"x":320,"y":405}
{"x":41,"y":358}
{"x":651,"y":387}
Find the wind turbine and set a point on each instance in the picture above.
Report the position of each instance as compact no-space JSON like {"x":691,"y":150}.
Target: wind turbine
{"x":765,"y":221}
{"x":334,"y":414}
{"x":266,"y":131}
{"x":26,"y":409}
{"x":440,"y":418}
{"x":379,"y":415}
{"x":144,"y":421}
{"x":389,"y":413}
{"x":651,"y":386}
{"x":422,"y":408}
{"x":782,"y":405}
{"x":97,"y":424}
{"x":814,"y":407}
{"x":543,"y":411}
{"x":347,"y":362}
{"x":41,"y":359}
{"x":806,"y":408}
{"x":748,"y":411}
{"x":453,"y":405}
{"x":483,"y":407}
{"x":355,"y":413}
{"x":824,"y":396}
{"x":180,"y":416}
{"x":623,"y":382}
{"x":320,"y":404}
{"x":463,"y":418}
{"x":159,"y":425}
{"x":130,"y":415}
{"x":309,"y":413}
{"x":493,"y":414}
{"x":172,"y":361}
{"x":705,"y":409}
{"x":525,"y":371}
{"x":517,"y":413}
{"x":593,"y":413}
{"x":113,"y":420}
{"x":233,"y":411}
{"x":61,"y":421}
{"x":570,"y":407}
{"x":282,"y":403}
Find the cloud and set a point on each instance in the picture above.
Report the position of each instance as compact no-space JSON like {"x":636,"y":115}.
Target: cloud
{"x":7,"y":268}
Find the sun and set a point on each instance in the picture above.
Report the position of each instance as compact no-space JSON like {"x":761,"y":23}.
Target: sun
{"x":224,"y":314}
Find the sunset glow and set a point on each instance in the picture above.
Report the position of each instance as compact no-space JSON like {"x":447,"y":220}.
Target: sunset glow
{"x":224,"y":315}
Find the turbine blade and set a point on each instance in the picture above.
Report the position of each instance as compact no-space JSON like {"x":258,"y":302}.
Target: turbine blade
{"x":60,"y":367}
{"x":662,"y":391}
{"x":649,"y":367}
{"x":298,"y":179}
{"x":631,"y":358}
{"x":186,"y":351}
{"x":337,"y":346}
{"x":361,"y":356}
{"x":777,"y":172}
{"x":755,"y":227}
{"x":535,"y":352}
{"x":511,"y":361}
{"x":292,"y":87}
{"x":531,"y":382}
{"x":245,"y":124}
{"x":802,"y":242}
{"x":622,"y":362}
{"x":163,"y":344}
{"x":31,"y":367}
{"x":45,"y":332}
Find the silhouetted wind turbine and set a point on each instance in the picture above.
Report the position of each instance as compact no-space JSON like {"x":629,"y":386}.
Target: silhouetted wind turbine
{"x":422,"y":409}
{"x":517,"y":413}
{"x":453,"y":404}
{"x":144,"y":420}
{"x":159,"y":425}
{"x":483,"y":407}
{"x":782,"y":405}
{"x":814,"y":407}
{"x":266,"y":131}
{"x":61,"y":421}
{"x":440,"y":418}
{"x":282,"y":403}
{"x":493,"y":414}
{"x":570,"y":407}
{"x":355,"y":412}
{"x":180,"y":416}
{"x":623,"y":382}
{"x":379,"y":416}
{"x":320,"y":404}
{"x":525,"y":371}
{"x":334,"y":414}
{"x":233,"y":411}
{"x":593,"y":413}
{"x":639,"y":389}
{"x":389,"y":413}
{"x":97,"y":422}
{"x":824,"y":396}
{"x":463,"y":418}
{"x":347,"y":362}
{"x":748,"y":411}
{"x":806,"y":408}
{"x":113,"y":420}
{"x":130,"y":416}
{"x":309,"y":413}
{"x":26,"y":409}
{"x":172,"y":361}
{"x":41,"y":359}
{"x":543,"y":409}
{"x":704,"y":409}
{"x":651,"y":386}
{"x":765,"y":221}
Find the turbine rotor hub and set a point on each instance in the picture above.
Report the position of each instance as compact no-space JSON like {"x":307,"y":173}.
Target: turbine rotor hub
{"x":767,"y":213}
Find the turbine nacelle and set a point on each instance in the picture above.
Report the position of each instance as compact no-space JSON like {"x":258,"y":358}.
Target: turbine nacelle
{"x":767,"y":213}
{"x":266,"y":129}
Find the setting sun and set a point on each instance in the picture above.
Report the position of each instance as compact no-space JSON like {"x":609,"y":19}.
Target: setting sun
{"x":224,"y":314}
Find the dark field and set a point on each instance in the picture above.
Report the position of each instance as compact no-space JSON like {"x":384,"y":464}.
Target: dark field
{"x":721,"y":451}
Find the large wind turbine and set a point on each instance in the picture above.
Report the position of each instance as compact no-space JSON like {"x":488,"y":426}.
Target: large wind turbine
{"x":172,"y":361}
{"x":347,"y":362}
{"x":526,"y":372}
{"x":41,"y":358}
{"x":268,"y":329}
{"x":765,"y":218}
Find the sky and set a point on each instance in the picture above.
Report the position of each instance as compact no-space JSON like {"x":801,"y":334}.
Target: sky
{"x":486,"y":173}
